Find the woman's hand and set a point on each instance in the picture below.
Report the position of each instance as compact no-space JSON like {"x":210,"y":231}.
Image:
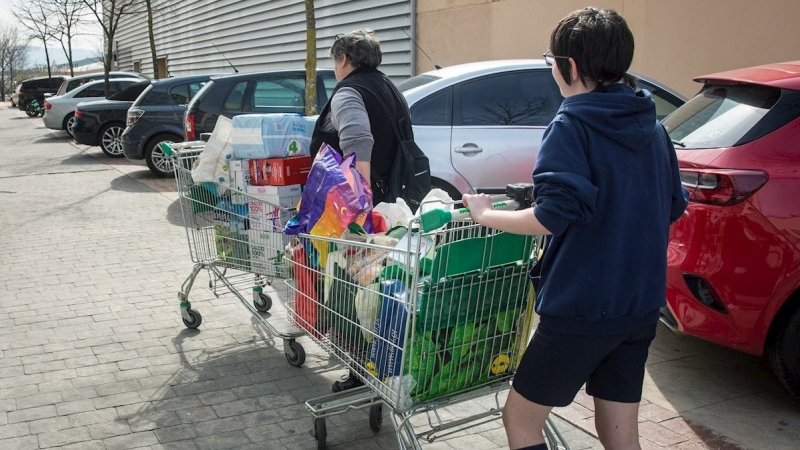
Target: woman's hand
{"x":478,"y":204}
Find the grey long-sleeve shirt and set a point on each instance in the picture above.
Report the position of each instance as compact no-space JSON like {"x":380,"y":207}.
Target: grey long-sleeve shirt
{"x":350,"y":119}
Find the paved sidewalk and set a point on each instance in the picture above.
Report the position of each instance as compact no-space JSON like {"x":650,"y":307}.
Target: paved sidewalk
{"x":93,"y":354}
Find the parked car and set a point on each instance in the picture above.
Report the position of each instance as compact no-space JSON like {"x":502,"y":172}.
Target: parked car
{"x":245,"y":93}
{"x":481,"y":124}
{"x":34,"y":89}
{"x":15,"y":96}
{"x":73,"y":82}
{"x":734,"y":256}
{"x":157,"y":116}
{"x":59,"y":112}
{"x":101,"y":122}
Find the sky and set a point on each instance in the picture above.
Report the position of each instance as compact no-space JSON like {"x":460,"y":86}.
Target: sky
{"x":89,"y":43}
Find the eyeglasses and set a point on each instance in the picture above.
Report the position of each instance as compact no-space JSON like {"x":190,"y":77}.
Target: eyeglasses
{"x":550,"y":58}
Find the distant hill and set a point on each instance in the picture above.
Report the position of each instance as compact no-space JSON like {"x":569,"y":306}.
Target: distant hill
{"x":36,"y":55}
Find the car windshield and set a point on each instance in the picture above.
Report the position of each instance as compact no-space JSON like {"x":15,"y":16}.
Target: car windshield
{"x":417,"y":81}
{"x":720,"y":115}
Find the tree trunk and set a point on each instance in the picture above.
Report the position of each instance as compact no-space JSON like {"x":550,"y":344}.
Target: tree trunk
{"x":152,"y":37}
{"x":47,"y":59}
{"x":311,"y":59}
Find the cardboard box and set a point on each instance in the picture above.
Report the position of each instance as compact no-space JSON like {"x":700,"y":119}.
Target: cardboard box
{"x":279,"y":171}
{"x":268,"y":214}
{"x":266,"y":252}
{"x":238,"y":174}
{"x":275,"y":191}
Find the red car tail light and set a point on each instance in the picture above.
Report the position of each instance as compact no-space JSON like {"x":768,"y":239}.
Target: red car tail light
{"x":189,"y":127}
{"x":47,"y":105}
{"x":133,"y":115}
{"x":723,"y":187}
{"x":78,"y":114}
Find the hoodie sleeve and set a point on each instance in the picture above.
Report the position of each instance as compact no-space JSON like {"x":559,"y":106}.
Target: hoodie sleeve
{"x":680,"y":196}
{"x":563,"y":190}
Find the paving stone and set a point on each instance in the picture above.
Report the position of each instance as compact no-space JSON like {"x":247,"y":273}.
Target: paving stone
{"x":79,"y":393}
{"x":55,"y":386}
{"x":51,"y":424}
{"x":194,"y":415}
{"x":178,"y":433}
{"x":234,"y":439}
{"x":93,"y":417}
{"x":63,"y":437}
{"x":151,"y":420}
{"x":38,"y":400}
{"x":236,"y":407}
{"x":213,"y":398}
{"x":20,"y":443}
{"x":86,"y":445}
{"x":14,"y":430}
{"x":118,"y":387}
{"x":130,"y":441}
{"x":109,"y":429}
{"x":125,"y":398}
{"x":25,"y":415}
{"x":178,"y":445}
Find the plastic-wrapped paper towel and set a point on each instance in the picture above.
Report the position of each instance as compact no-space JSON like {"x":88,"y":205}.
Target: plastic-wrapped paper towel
{"x":261,"y":136}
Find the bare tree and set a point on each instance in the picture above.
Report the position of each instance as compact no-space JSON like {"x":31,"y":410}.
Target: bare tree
{"x":33,"y":15}
{"x":70,"y":15}
{"x":311,"y":59}
{"x":109,"y":13}
{"x":151,"y":35}
{"x":13,"y":52}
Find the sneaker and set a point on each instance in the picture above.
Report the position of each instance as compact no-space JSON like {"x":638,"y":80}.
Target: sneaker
{"x":349,"y":381}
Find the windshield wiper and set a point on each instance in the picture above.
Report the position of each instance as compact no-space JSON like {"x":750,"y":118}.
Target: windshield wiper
{"x":678,"y":143}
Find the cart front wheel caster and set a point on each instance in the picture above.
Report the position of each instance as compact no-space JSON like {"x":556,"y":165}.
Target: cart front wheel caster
{"x":320,"y":433}
{"x":298,"y":355}
{"x":376,"y":417}
{"x":196,"y":320}
{"x":263,"y":302}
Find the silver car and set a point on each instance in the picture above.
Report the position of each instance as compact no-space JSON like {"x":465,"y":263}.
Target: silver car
{"x":481,"y":124}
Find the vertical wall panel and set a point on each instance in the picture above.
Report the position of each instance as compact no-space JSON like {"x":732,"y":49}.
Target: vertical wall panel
{"x":258,"y":35}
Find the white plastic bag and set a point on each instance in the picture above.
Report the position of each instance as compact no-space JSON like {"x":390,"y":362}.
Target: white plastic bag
{"x":396,"y":214}
{"x":216,"y":153}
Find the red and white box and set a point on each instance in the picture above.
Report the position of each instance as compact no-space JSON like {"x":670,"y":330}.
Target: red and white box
{"x":279,"y":171}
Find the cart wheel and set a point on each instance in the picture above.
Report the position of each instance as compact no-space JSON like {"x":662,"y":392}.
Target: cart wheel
{"x":376,"y":417}
{"x":197,"y":319}
{"x":264,"y":302}
{"x":298,"y":356}
{"x":320,"y":433}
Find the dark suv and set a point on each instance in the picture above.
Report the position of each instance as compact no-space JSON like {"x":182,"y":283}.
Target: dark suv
{"x":34,"y":89}
{"x":280,"y":91}
{"x":157,"y":116}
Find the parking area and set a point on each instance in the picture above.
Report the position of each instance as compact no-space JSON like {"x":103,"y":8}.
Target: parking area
{"x":93,"y":354}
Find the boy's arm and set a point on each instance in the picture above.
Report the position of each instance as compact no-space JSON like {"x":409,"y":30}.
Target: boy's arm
{"x":522,"y":222}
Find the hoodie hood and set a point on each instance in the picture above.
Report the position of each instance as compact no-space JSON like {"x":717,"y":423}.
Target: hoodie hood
{"x":621,"y":114}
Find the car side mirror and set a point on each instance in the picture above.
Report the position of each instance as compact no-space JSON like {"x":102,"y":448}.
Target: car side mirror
{"x":48,"y":95}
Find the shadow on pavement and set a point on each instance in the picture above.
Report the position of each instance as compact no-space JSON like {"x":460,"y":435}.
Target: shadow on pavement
{"x":126,"y":184}
{"x":50,"y":138}
{"x":725,"y":399}
{"x":235,"y":389}
{"x":175,"y":214}
{"x":80,"y":159}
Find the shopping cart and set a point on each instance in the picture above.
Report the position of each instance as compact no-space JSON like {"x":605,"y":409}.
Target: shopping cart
{"x":237,"y":238}
{"x":428,"y":316}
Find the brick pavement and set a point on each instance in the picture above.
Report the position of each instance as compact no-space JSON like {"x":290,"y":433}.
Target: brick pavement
{"x":93,"y":354}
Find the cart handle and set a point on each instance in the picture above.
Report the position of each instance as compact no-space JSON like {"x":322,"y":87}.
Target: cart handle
{"x":436,"y":218}
{"x":166,"y":148}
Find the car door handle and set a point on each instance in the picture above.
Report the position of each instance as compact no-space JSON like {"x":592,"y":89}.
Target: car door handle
{"x":468,"y":149}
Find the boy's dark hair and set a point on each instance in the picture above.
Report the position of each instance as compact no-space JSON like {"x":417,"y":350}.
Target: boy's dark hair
{"x":599,"y":41}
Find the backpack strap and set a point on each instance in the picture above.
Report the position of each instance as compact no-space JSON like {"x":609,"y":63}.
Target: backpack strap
{"x":389,"y":112}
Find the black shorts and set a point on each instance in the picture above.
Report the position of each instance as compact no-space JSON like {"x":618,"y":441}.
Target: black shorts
{"x":556,"y":365}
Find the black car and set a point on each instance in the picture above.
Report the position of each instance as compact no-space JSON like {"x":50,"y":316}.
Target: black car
{"x":102,"y":122}
{"x":34,"y":89}
{"x":157,"y":116}
{"x":253,"y":93}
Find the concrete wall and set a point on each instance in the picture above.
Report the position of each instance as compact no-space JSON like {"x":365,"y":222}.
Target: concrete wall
{"x":676,"y":40}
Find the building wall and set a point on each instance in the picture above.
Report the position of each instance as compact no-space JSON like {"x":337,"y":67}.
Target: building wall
{"x":676,"y":40}
{"x":257,"y":35}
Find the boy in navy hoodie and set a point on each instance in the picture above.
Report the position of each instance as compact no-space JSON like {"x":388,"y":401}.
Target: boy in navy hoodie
{"x":607,"y":188}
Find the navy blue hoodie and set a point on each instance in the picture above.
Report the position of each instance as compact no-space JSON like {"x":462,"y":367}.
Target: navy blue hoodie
{"x":606,"y":184}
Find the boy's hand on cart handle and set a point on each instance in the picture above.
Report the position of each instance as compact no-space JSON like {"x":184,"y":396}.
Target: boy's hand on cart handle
{"x":478,"y":204}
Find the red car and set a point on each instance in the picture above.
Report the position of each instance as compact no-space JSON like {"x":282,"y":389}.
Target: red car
{"x":734,"y":256}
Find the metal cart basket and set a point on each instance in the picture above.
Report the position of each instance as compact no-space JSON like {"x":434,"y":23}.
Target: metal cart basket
{"x":237,"y":238}
{"x":425,"y":319}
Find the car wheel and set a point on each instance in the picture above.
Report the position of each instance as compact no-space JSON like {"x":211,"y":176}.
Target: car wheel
{"x":30,"y":110}
{"x":111,"y":140}
{"x":68,"y":123}
{"x":784,"y":352}
{"x":159,"y":163}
